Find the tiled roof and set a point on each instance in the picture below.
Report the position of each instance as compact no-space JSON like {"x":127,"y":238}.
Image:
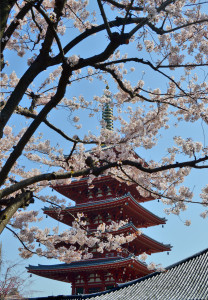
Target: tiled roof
{"x":131,"y":225}
{"x":81,"y":263}
{"x":91,"y":203}
{"x":185,"y":280}
{"x":77,"y":189}
{"x":104,"y":202}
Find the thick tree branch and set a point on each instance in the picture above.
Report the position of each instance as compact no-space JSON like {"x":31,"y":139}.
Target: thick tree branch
{"x":104,"y":18}
{"x":36,"y":68}
{"x":115,"y":23}
{"x":97,"y":171}
{"x":5,"y":8}
{"x":66,"y":73}
{"x":116,"y":41}
{"x":17,"y":202}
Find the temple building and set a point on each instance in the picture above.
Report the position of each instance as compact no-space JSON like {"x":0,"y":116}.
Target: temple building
{"x":109,"y":200}
{"x":186,"y":279}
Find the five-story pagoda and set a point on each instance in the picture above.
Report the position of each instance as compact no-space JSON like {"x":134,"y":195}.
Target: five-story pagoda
{"x":109,"y":200}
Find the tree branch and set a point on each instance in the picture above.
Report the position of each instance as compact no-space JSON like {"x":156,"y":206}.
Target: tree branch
{"x":124,"y":6}
{"x":104,"y":18}
{"x":162,"y":31}
{"x":23,"y":244}
{"x":156,"y":193}
{"x":66,"y":73}
{"x":140,"y":60}
{"x":26,"y":113}
{"x":88,"y":32}
{"x":134,"y":93}
{"x":97,"y":171}
{"x":36,"y":68}
{"x":51,"y":27}
{"x":17,"y":202}
{"x":129,"y":7}
{"x":6,"y":35}
{"x":5,"y":8}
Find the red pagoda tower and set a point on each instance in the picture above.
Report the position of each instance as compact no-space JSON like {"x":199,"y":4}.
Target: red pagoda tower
{"x":109,"y":200}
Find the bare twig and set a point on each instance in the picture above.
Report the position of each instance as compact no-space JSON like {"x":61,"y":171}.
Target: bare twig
{"x":104,"y":18}
{"x":159,"y":195}
{"x":23,"y":244}
{"x":128,"y":8}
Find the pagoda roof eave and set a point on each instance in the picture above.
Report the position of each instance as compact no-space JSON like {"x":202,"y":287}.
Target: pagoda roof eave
{"x":82,"y":183}
{"x":130,"y":226}
{"x":93,"y":263}
{"x":141,"y":242}
{"x":66,"y":272}
{"x":90,"y":206}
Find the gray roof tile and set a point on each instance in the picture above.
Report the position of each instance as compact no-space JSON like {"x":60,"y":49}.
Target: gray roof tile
{"x":104,"y":202}
{"x":81,"y":263}
{"x":185,"y":280}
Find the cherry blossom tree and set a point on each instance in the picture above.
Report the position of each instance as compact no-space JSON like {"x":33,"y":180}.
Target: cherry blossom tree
{"x":64,"y":42}
{"x":10,"y":284}
{"x":12,"y":281}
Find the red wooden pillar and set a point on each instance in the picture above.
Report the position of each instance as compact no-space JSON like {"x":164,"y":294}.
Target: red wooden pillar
{"x":102,"y":277}
{"x":86,"y":287}
{"x":73,"y":287}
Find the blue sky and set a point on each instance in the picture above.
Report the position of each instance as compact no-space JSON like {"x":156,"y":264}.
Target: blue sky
{"x":185,"y":240}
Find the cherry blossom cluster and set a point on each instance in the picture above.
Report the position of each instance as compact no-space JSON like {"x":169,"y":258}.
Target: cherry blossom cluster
{"x":69,"y":245}
{"x":150,"y":60}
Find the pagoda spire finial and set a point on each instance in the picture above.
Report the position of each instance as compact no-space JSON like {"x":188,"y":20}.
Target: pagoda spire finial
{"x":107,"y":114}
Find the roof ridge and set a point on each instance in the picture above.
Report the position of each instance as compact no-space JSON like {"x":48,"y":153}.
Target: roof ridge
{"x":123,"y":285}
{"x":187,"y":259}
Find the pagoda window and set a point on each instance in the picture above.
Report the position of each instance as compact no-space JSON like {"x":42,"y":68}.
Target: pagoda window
{"x":109,"y":191}
{"x":79,"y":279}
{"x":109,"y":277}
{"x":109,"y":218}
{"x":99,"y":193}
{"x":94,"y":278}
{"x":90,"y":195}
{"x":98,"y":219}
{"x":87,"y":221}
